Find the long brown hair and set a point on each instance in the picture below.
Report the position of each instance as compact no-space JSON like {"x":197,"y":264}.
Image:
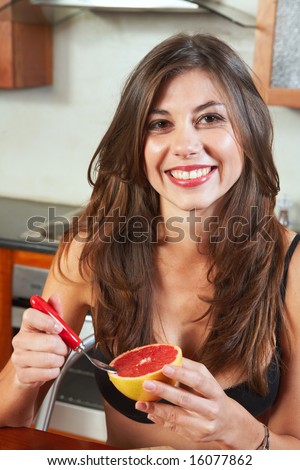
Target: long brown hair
{"x":246,"y":267}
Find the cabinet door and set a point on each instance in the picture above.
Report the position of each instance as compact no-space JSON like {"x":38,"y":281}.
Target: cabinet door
{"x":25,"y":46}
{"x":277,"y":52}
{"x":6,"y":267}
{"x":8,"y":258}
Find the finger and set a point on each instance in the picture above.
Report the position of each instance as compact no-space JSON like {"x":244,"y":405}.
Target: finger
{"x":193,"y":365}
{"x":40,"y":342}
{"x":195,"y":378}
{"x":189,"y":425}
{"x":160,"y":412}
{"x":55,"y":301}
{"x":31,"y":375}
{"x":170,"y":417}
{"x":39,"y":360}
{"x":180,"y":397}
{"x":35,"y":320}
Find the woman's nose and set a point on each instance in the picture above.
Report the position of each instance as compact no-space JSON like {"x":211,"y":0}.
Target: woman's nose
{"x":186,"y":141}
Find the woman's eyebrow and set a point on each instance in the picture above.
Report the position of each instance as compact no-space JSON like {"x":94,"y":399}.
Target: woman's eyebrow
{"x":163,"y":112}
{"x":201,"y":107}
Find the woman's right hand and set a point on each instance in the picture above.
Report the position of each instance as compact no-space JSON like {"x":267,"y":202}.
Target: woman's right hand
{"x":39,"y":352}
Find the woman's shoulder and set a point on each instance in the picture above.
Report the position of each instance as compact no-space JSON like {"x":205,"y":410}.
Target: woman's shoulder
{"x":293,"y":253}
{"x":292,"y":296}
{"x":69,"y":258}
{"x":70,"y":271}
{"x":288,"y":237}
{"x":291,"y":242}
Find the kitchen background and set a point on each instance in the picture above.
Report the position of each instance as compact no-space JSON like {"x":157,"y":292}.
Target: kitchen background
{"x":48,"y":134}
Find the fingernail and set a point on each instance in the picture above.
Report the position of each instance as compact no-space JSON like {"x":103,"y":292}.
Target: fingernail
{"x":141,"y":406}
{"x":151,"y":418}
{"x":168,"y":370}
{"x":57,"y":328}
{"x":148,"y":385}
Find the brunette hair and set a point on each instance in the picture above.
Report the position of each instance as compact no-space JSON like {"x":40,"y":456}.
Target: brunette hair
{"x":246,"y":268}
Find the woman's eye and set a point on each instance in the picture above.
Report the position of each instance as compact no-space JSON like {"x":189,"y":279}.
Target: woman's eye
{"x":209,"y":119}
{"x":158,"y":125}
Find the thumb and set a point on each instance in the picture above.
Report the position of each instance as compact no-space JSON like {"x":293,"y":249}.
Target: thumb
{"x":55,"y":301}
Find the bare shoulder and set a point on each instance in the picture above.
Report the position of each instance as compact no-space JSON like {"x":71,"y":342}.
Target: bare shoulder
{"x":292,"y":297}
{"x":66,"y":263}
{"x":289,"y":237}
{"x":71,"y":282}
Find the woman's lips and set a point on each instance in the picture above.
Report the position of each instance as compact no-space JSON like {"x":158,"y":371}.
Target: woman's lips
{"x":190,"y":176}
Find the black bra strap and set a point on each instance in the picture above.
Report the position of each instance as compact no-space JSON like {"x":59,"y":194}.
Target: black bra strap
{"x":287,"y":260}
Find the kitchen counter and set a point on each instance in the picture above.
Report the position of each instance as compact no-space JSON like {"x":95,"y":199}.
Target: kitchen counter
{"x":33,"y":439}
{"x":18,"y":216}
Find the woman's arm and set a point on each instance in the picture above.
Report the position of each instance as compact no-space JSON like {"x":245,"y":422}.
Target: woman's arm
{"x":38,"y":350}
{"x":38,"y":354}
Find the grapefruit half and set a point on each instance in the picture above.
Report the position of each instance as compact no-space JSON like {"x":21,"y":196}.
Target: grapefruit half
{"x":143,"y":363}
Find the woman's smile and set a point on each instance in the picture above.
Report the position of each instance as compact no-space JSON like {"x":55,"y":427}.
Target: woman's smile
{"x":190,"y":176}
{"x":192,"y":157}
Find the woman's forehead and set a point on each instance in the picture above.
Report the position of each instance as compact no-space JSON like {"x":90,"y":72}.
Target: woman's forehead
{"x":195,"y":84}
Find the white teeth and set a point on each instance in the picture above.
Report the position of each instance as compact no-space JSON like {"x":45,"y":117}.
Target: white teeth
{"x":190,"y":175}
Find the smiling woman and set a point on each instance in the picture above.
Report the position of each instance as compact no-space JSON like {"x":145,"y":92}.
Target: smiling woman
{"x":191,"y":147}
{"x":189,"y":151}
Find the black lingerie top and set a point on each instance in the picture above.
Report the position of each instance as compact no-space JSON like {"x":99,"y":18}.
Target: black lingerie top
{"x":253,"y":402}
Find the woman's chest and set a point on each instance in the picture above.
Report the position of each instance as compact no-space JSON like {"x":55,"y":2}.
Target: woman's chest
{"x":180,"y":313}
{"x":181,"y":316}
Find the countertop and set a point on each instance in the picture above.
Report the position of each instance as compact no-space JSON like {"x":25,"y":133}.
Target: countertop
{"x":23,"y":224}
{"x":32,"y":439}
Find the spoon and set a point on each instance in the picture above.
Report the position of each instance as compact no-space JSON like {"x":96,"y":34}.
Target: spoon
{"x":67,"y":334}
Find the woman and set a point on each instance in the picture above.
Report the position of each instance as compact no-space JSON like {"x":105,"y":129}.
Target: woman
{"x":179,"y":244}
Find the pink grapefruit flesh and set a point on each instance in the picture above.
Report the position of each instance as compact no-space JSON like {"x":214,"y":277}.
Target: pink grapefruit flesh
{"x":143,"y":363}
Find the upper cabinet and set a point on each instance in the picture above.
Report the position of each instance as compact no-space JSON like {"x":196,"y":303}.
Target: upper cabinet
{"x":25,"y":46}
{"x":277,"y":52}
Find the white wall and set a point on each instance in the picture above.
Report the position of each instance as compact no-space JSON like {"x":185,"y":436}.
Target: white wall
{"x":48,"y":134}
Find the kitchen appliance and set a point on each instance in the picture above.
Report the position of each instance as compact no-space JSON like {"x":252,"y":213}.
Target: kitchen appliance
{"x":57,"y":10}
{"x":125,"y":5}
{"x":79,"y":403}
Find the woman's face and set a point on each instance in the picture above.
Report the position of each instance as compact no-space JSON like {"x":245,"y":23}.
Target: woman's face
{"x":192,"y":157}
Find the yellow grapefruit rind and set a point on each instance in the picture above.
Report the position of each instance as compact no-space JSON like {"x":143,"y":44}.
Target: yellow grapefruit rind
{"x":132,"y":387}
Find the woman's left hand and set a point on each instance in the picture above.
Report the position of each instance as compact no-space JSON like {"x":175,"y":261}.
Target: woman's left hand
{"x":204,"y":413}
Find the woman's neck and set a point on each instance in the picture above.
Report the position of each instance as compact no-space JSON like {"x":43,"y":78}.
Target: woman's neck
{"x":185,"y":233}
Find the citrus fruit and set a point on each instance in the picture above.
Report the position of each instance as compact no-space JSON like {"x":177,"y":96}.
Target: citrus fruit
{"x":143,"y":363}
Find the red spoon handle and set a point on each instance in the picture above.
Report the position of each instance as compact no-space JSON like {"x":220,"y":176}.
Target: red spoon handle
{"x":67,"y":334}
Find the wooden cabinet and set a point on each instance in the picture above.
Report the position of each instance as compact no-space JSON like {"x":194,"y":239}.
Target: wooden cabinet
{"x":8,"y":258}
{"x":277,"y":52}
{"x":25,"y":46}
